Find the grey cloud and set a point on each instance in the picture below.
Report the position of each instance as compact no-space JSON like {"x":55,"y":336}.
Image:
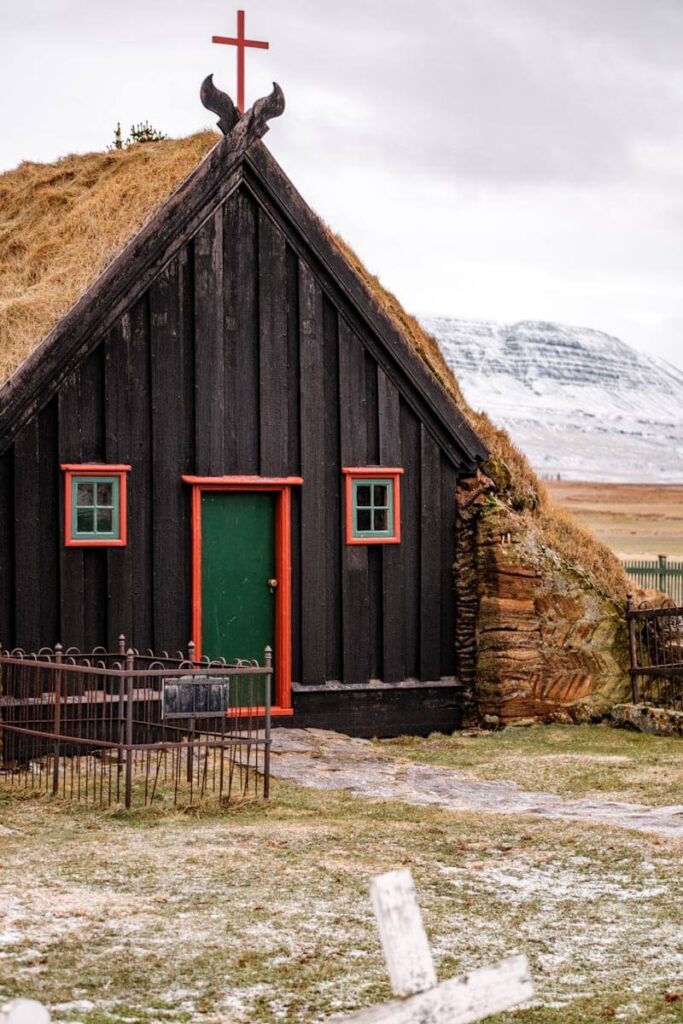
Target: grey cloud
{"x":510,"y":92}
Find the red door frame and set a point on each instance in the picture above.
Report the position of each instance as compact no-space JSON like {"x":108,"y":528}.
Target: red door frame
{"x":282,"y":487}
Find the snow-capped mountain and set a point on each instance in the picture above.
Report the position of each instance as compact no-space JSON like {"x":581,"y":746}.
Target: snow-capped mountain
{"x":579,"y":402}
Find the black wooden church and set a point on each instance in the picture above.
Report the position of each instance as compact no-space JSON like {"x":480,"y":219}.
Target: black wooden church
{"x":228,"y":440}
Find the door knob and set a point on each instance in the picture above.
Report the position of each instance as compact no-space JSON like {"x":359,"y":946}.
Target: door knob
{"x":272,"y":584}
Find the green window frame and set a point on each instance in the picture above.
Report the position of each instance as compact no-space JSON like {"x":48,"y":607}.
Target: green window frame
{"x":95,"y":507}
{"x":373,"y":508}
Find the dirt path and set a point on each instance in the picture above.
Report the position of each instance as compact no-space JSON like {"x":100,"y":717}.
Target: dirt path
{"x":327,"y":760}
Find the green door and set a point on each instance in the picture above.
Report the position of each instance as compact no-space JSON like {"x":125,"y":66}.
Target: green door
{"x":238,"y":561}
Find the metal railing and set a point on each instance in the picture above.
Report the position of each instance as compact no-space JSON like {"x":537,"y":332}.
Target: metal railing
{"x":134,"y":728}
{"x":656,"y":649}
{"x":658,"y":574}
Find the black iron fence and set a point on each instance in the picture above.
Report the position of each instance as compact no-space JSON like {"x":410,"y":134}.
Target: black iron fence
{"x":134,"y":728}
{"x":658,"y":574}
{"x":656,"y":647}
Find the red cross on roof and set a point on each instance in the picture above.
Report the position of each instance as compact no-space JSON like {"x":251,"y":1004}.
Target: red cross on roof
{"x":241,"y":43}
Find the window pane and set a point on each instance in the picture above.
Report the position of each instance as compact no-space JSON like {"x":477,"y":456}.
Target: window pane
{"x":363,"y":519}
{"x":381,"y":519}
{"x":105,"y":494}
{"x":363,"y":498}
{"x":380,"y":494}
{"x":105,"y":520}
{"x":85,"y":520}
{"x":85,"y":494}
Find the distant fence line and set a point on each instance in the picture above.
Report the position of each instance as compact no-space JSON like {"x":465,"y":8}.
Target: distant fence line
{"x":658,"y":574}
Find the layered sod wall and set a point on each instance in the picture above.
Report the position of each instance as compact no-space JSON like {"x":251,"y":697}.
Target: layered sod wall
{"x":536,"y":638}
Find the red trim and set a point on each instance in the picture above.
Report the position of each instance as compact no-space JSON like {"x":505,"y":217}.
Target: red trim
{"x":96,"y":469}
{"x":352,"y":473}
{"x":282,"y":697}
{"x":242,"y":483}
{"x":90,"y":468}
{"x":276,"y":712}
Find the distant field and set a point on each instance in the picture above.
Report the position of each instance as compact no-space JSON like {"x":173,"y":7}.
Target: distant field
{"x":635,"y":520}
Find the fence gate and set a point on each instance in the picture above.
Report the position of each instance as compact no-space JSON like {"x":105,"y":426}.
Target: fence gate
{"x":656,"y":648}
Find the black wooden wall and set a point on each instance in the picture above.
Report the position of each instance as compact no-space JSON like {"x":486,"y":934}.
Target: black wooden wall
{"x":240,"y":358}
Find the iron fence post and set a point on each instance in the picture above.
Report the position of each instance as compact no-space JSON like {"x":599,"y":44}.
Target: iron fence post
{"x":630,"y":618}
{"x":662,"y":573}
{"x":130,"y":666}
{"x":268,"y":663}
{"x":57,"y":720}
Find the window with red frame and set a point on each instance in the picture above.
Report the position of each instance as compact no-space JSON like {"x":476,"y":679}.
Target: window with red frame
{"x":373,"y":505}
{"x":95,"y":505}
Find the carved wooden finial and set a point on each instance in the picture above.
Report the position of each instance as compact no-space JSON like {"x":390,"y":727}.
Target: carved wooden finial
{"x":255,"y":122}
{"x":267,"y":108}
{"x":219,"y":102}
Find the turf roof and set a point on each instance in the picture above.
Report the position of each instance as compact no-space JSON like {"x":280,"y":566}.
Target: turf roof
{"x":62,"y":223}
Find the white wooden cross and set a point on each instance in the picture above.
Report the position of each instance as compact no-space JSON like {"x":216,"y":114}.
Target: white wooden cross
{"x":24,"y":1011}
{"x":421,"y":1000}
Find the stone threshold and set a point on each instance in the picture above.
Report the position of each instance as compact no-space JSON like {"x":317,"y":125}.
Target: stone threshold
{"x":333,"y":685}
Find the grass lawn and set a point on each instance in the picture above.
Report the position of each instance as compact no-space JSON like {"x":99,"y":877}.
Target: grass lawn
{"x":573,"y":761}
{"x":262,"y":914}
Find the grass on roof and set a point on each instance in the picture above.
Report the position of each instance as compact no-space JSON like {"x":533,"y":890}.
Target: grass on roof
{"x":61,"y":224}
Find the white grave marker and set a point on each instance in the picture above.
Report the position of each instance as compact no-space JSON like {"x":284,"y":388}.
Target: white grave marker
{"x":24,"y":1011}
{"x":463,"y":1000}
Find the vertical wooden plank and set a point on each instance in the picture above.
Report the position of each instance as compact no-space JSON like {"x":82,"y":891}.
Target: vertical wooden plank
{"x":117,"y":377}
{"x":449,"y":485}
{"x":335,"y":548}
{"x":294,"y":454}
{"x":293,"y":364}
{"x":241,"y":347}
{"x":72,"y":632}
{"x":26,"y":536}
{"x":49,"y":539}
{"x":371,"y":402}
{"x":375,"y":611}
{"x":273,"y":342}
{"x":430,"y":557}
{"x":410,"y":534}
{"x":7,"y":591}
{"x":94,"y":596}
{"x":353,"y":415}
{"x":140,"y":484}
{"x":313,"y":541}
{"x":209,"y":344}
{"x":389,"y":420}
{"x":92,"y":407}
{"x":353,"y":398}
{"x":170,"y":390}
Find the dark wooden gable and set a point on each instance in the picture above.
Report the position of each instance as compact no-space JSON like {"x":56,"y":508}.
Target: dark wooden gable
{"x":232,"y":337}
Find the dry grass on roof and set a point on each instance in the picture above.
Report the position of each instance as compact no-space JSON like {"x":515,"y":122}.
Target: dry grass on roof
{"x":519,"y":484}
{"x":62,"y":223}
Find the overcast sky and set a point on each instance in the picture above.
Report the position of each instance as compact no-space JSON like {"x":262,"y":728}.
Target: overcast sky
{"x":497,"y":159}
